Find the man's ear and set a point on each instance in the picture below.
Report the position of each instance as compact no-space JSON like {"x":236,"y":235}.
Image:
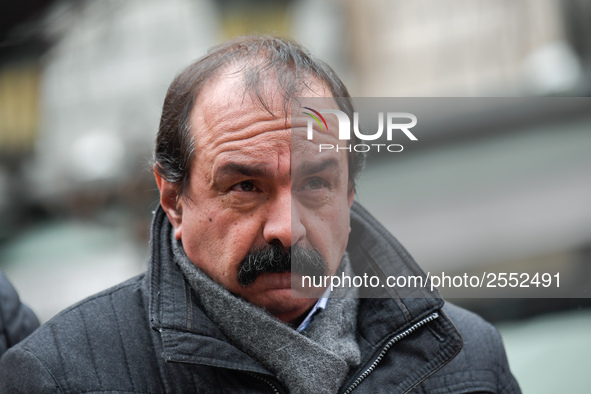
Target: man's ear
{"x":169,"y":199}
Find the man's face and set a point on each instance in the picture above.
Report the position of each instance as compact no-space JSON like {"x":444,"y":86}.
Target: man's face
{"x":251,"y":186}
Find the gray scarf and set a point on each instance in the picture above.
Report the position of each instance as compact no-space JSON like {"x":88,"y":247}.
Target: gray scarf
{"x":314,"y":361}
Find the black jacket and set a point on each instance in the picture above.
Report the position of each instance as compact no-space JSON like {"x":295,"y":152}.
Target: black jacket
{"x":16,"y":320}
{"x":150,"y":335}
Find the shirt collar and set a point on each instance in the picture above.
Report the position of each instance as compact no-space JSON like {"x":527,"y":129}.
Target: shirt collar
{"x":320,"y":304}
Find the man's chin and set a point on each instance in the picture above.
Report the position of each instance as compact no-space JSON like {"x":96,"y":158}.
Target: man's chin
{"x":274,"y":292}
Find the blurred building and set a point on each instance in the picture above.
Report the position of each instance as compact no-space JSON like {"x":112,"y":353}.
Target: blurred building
{"x":103,"y":83}
{"x":465,"y":48}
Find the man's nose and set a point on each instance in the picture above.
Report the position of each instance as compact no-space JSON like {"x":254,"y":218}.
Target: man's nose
{"x":283,"y":222}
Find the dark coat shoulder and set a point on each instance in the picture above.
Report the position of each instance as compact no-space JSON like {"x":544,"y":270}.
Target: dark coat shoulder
{"x":482,"y":364}
{"x":92,"y":345}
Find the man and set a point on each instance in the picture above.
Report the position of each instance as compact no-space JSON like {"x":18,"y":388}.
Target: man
{"x":16,"y":320}
{"x":242,"y":194}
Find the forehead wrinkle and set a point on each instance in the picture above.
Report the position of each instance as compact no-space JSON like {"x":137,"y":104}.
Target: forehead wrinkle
{"x":247,"y":153}
{"x":221,"y":135}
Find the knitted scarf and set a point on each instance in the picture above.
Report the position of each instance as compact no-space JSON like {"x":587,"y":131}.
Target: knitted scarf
{"x":314,"y":361}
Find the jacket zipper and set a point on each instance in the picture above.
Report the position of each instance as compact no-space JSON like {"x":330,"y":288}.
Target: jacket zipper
{"x":259,"y":377}
{"x":387,"y":347}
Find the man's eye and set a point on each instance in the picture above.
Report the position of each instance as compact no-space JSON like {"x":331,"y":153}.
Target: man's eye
{"x":245,"y":186}
{"x":314,"y":184}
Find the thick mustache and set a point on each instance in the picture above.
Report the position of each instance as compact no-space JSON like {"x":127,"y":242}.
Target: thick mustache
{"x":275,"y":259}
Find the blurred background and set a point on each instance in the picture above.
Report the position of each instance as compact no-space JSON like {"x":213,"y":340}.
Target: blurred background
{"x":82,"y":84}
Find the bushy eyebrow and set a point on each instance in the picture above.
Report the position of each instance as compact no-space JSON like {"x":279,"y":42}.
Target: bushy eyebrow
{"x":310,"y":168}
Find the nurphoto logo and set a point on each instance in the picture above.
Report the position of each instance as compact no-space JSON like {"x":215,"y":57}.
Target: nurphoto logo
{"x":392,"y":125}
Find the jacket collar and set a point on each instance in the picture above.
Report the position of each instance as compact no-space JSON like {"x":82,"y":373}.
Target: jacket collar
{"x":374,"y":251}
{"x":174,"y":311}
